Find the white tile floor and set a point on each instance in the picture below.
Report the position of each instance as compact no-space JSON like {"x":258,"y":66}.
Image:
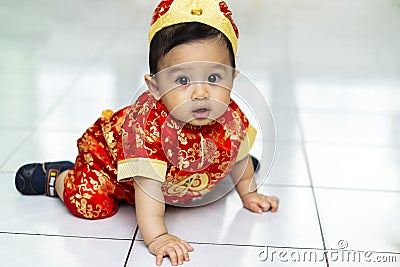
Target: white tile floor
{"x":331,"y":72}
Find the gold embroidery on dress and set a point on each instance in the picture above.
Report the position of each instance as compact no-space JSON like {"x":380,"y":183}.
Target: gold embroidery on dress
{"x":194,"y":184}
{"x":202,"y":151}
{"x":88,"y":158}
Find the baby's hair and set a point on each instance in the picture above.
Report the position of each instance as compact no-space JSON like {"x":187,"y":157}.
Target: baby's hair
{"x":172,"y":36}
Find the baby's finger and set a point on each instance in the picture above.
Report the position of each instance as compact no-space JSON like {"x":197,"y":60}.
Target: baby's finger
{"x":187,"y":245}
{"x":185,"y":252}
{"x":159,"y":257}
{"x":276,"y":199}
{"x":180,"y":252}
{"x":170,"y":251}
{"x":274,"y":202}
{"x":265,"y":205}
{"x":253,"y":206}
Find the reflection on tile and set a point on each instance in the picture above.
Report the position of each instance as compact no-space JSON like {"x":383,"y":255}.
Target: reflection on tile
{"x":10,"y":139}
{"x":95,"y":91}
{"x":364,"y":219}
{"x":76,"y":44}
{"x":343,"y":43}
{"x":36,"y":250}
{"x":351,"y":98}
{"x":282,"y":163}
{"x":69,"y":116}
{"x":286,"y":124}
{"x":49,"y":216}
{"x":293,"y":225}
{"x":282,"y":126}
{"x":23,"y":112}
{"x":221,"y":255}
{"x":366,"y":167}
{"x":43,"y":81}
{"x":289,"y":167}
{"x":351,"y":128}
{"x":44,"y":146}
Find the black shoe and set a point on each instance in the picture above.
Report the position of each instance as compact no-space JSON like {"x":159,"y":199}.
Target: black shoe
{"x":40,"y":178}
{"x":256,"y":164}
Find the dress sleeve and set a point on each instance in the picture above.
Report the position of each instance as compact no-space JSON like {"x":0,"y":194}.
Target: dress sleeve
{"x":141,"y":153}
{"x":247,"y":143}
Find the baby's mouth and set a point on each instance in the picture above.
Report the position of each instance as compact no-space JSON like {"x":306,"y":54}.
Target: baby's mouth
{"x":201,"y":113}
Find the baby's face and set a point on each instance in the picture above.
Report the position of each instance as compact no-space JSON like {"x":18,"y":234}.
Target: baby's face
{"x":195,"y":81}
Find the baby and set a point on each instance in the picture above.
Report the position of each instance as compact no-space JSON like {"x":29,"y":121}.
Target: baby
{"x":180,"y":138}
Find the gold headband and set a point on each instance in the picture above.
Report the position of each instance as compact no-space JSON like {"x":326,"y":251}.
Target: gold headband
{"x":214,"y":13}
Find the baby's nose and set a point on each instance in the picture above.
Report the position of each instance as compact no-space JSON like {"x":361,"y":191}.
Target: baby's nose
{"x":200,"y":91}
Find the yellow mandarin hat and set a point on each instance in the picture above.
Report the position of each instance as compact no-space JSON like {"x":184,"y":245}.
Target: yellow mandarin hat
{"x":214,"y":13}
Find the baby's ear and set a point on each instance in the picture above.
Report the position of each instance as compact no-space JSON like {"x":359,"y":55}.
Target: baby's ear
{"x":152,"y":84}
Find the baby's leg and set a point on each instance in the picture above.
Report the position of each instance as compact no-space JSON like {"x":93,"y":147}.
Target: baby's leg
{"x":87,"y":191}
{"x":60,"y":184}
{"x":90,"y":190}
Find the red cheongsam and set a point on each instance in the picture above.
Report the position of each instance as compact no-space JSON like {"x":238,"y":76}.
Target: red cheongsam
{"x":144,"y":140}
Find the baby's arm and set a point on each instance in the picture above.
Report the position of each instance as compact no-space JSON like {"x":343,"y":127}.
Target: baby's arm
{"x":243,"y":176}
{"x":150,"y":209}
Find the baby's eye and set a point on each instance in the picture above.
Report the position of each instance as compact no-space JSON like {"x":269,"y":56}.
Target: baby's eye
{"x":214,"y":78}
{"x":183,"y":80}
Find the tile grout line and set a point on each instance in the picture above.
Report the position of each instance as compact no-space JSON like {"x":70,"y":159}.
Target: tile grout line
{"x":131,"y":246}
{"x":357,"y":189}
{"x":311,"y":184}
{"x":65,"y":236}
{"x":304,"y":151}
{"x":286,"y":58}
{"x":280,"y":247}
{"x":24,"y":139}
{"x":333,"y":188}
{"x":241,"y":245}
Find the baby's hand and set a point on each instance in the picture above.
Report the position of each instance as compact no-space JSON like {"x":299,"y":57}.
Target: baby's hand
{"x":258,"y":203}
{"x":169,"y":245}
